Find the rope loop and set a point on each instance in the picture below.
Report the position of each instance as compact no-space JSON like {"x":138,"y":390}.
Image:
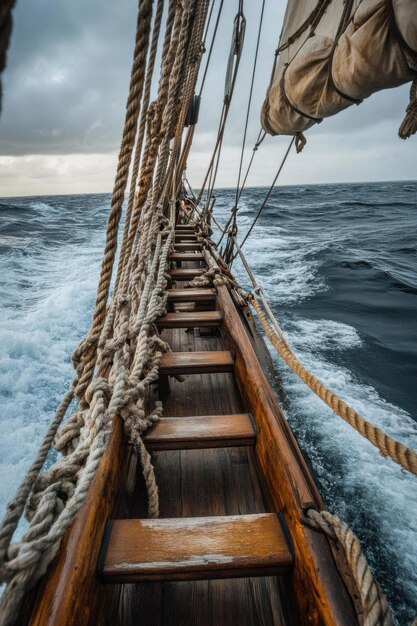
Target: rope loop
{"x":375,"y":609}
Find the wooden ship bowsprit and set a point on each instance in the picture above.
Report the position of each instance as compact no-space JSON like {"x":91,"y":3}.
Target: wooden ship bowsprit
{"x":178,"y":493}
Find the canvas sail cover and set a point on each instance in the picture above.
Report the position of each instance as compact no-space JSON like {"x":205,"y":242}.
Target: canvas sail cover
{"x":335,"y":53}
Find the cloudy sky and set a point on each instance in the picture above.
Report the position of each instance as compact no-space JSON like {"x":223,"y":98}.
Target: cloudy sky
{"x":65,"y":89}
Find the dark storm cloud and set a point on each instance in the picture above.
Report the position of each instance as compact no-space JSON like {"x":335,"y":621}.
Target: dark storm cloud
{"x":67,"y":76}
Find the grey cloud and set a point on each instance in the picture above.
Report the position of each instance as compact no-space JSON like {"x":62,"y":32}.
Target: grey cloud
{"x":67,"y":76}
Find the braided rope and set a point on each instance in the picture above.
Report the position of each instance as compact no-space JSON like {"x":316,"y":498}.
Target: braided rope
{"x":85,"y":355}
{"x":193,"y":65}
{"x":153,"y":119}
{"x":141,"y":134}
{"x":387,"y":445}
{"x":375,"y":607}
{"x":176,"y":78}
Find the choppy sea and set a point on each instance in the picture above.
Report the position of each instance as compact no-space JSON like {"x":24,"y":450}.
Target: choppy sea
{"x":339,"y":266}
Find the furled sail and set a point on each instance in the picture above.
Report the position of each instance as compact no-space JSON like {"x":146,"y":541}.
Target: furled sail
{"x":337,"y":53}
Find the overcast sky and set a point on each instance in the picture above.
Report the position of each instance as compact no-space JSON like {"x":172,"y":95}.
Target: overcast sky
{"x":65,"y":88}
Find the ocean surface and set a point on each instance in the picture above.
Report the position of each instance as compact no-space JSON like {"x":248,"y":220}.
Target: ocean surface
{"x":339,"y":266}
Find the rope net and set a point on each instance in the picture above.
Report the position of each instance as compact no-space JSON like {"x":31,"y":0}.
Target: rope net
{"x":117,"y":362}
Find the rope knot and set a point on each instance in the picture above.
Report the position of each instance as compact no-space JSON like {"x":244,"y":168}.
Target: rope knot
{"x":300,"y":142}
{"x":98,"y":384}
{"x":85,"y":347}
{"x":123,"y":300}
{"x":409,"y":124}
{"x":69,"y":433}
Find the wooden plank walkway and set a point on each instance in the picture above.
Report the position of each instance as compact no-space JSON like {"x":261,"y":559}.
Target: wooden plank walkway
{"x":203,"y":482}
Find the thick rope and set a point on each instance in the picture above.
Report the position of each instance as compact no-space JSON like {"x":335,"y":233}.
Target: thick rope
{"x":141,"y":134}
{"x":85,"y":356}
{"x":387,"y":445}
{"x":375,"y":607}
{"x":193,"y":65}
{"x":153,"y":119}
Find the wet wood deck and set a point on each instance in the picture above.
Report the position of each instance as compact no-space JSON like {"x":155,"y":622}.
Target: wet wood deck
{"x":203,"y":482}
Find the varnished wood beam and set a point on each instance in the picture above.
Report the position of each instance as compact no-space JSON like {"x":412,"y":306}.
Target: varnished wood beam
{"x":195,"y":548}
{"x":202,"y":431}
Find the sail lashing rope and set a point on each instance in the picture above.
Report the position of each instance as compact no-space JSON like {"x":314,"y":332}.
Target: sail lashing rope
{"x":236,"y":47}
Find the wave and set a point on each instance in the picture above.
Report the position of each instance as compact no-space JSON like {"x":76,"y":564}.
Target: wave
{"x":39,"y":328}
{"x":356,"y":482}
{"x":391,"y":278}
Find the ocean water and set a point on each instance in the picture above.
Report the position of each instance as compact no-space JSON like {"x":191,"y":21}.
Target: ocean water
{"x":339,"y":266}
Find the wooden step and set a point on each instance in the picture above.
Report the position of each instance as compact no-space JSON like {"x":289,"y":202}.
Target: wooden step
{"x":184,"y":227}
{"x":188,"y":245}
{"x":185,"y":236}
{"x":196,"y":362}
{"x":185,"y":273}
{"x":187,"y":256}
{"x":191,"y":295}
{"x":195,"y":548}
{"x":194,"y":319}
{"x":202,"y":431}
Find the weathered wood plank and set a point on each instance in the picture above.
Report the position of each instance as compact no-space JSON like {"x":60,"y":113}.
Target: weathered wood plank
{"x":195,"y":548}
{"x":188,"y":245}
{"x":203,"y":431}
{"x":196,"y":362}
{"x":194,"y":319}
{"x":215,"y":481}
{"x":186,"y":256}
{"x":185,"y":227}
{"x":191,"y":295}
{"x":185,"y":273}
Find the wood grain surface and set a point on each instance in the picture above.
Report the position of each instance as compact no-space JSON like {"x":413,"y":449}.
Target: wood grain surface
{"x":203,"y":431}
{"x":195,"y":548}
